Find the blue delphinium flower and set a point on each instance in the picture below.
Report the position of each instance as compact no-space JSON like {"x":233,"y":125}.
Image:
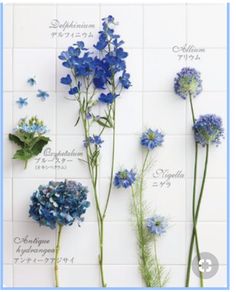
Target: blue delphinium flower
{"x":124,"y":80}
{"x":107,"y":98}
{"x":31,"y":81}
{"x":188,"y":82}
{"x":157,"y":225}
{"x":208,"y":129}
{"x":124,"y":178}
{"x":43,"y":95}
{"x":73,"y":90}
{"x":151,"y":139}
{"x":96,"y":140}
{"x":66,"y":80}
{"x":22,"y":102}
{"x":59,"y":203}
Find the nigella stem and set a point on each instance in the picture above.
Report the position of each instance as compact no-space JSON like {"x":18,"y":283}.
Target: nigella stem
{"x":194,"y":231}
{"x":57,"y":251}
{"x":157,"y":262}
{"x":101,"y":253}
{"x":193,"y":208}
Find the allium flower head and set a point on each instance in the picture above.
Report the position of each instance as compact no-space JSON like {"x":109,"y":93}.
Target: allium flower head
{"x":59,"y":203}
{"x":151,"y":139}
{"x":188,"y":82}
{"x":124,"y":178}
{"x":157,"y":225}
{"x":208,"y":129}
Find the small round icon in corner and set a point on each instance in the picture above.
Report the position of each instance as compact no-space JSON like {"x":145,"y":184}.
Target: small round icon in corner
{"x":208,"y":265}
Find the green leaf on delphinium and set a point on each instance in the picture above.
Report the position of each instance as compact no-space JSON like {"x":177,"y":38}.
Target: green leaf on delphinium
{"x":38,"y":145}
{"x":76,"y":123}
{"x":105,"y":122}
{"x":23,"y":154}
{"x":16,"y":139}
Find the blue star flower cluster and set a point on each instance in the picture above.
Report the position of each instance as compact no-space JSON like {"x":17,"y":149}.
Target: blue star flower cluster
{"x":151,"y":139}
{"x":188,"y":82}
{"x":59,"y":203}
{"x":124,"y":178}
{"x":32,"y":126}
{"x":157,"y":225}
{"x":208,"y":129}
{"x":102,"y":68}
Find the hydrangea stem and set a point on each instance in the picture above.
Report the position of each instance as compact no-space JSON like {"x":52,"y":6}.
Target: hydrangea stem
{"x":57,"y":251}
{"x":193,"y":209}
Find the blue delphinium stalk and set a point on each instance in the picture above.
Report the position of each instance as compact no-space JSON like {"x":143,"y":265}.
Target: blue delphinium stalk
{"x":97,"y":76}
{"x":56,"y":205}
{"x":188,"y":84}
{"x":29,"y":136}
{"x":153,"y":274}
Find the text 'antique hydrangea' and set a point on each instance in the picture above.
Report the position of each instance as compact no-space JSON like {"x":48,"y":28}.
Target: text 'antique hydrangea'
{"x":157,"y":225}
{"x":188,"y":82}
{"x":59,"y":203}
{"x":124,"y":178}
{"x":152,"y":139}
{"x":208,"y":129}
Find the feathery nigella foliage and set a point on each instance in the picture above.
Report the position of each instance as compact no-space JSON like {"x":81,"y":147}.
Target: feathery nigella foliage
{"x":29,"y":136}
{"x":97,"y":75}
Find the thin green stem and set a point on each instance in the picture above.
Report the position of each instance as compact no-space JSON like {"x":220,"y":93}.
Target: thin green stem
{"x":26,"y":163}
{"x":196,"y":216}
{"x":57,"y":251}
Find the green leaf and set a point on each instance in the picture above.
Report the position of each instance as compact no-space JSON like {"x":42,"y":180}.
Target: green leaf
{"x":77,"y":121}
{"x":38,"y":144}
{"x":16,"y":140}
{"x":105,"y":122}
{"x":23,"y":154}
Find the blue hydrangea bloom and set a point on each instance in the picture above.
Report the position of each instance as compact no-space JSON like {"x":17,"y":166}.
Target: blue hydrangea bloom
{"x":107,"y":98}
{"x":22,"y":102}
{"x":151,"y":139}
{"x":208,"y":129}
{"x":43,"y":95}
{"x":31,"y":81}
{"x":59,"y":203}
{"x":66,"y":80}
{"x":188,"y":82}
{"x":157,"y":225}
{"x":96,"y":140}
{"x":124,"y":178}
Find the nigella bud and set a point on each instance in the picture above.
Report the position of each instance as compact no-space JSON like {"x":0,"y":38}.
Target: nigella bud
{"x":208,"y":130}
{"x":188,"y":82}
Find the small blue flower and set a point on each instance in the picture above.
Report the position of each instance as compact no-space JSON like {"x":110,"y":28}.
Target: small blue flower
{"x":73,"y":90}
{"x":208,"y":129}
{"x":66,"y":80}
{"x":43,"y":95}
{"x":188,"y":82}
{"x":31,"y":81}
{"x":22,"y":102}
{"x":124,"y":80}
{"x":151,"y":139}
{"x":96,"y":140}
{"x":157,"y":225}
{"x":59,"y":203}
{"x":124,"y":178}
{"x":107,"y":98}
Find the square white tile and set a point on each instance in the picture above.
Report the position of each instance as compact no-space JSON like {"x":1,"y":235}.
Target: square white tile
{"x":7,"y":112}
{"x":7,"y":199}
{"x":7,"y":70}
{"x":8,"y":26}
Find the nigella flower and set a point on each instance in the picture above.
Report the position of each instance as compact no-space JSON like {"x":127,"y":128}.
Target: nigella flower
{"x":124,"y":178}
{"x":107,"y":98}
{"x":43,"y":95}
{"x":96,"y":140}
{"x":59,"y":203}
{"x":157,"y":225}
{"x":188,"y":82}
{"x":151,"y":139}
{"x":22,"y":102}
{"x":208,"y":129}
{"x":31,"y":81}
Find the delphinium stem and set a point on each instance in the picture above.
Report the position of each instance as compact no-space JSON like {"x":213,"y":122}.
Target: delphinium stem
{"x":57,"y":251}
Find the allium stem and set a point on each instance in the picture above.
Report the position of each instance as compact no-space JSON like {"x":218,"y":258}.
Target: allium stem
{"x":195,"y":221}
{"x":193,"y":207}
{"x":57,"y":251}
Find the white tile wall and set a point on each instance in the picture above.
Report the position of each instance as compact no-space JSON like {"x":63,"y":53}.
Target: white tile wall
{"x":149,"y":32}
